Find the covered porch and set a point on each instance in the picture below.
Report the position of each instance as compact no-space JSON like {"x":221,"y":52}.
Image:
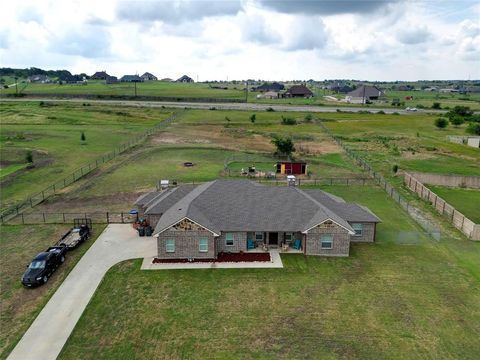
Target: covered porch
{"x":261,"y":241}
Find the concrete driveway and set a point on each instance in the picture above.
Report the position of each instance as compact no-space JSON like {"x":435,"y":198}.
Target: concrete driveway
{"x":52,"y":327}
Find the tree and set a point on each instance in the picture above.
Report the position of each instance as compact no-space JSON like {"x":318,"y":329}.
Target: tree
{"x":29,"y":157}
{"x":308,"y":118}
{"x":253,"y":117}
{"x":441,"y":123}
{"x":473,"y":128}
{"x":436,"y":105}
{"x":284,"y":145}
{"x":457,"y":120}
{"x":83,"y":137}
{"x":463,"y":111}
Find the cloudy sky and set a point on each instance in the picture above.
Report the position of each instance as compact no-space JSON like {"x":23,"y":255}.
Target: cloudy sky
{"x":239,"y":39}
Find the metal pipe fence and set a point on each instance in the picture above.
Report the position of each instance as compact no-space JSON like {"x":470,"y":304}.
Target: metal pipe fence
{"x":39,"y":197}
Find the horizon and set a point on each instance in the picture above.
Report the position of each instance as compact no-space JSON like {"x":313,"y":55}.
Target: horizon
{"x":248,"y":39}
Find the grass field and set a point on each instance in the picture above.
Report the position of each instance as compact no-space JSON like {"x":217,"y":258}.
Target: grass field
{"x":236,"y":91}
{"x":53,"y":134}
{"x":402,"y":297}
{"x":464,"y":200}
{"x":19,"y":306}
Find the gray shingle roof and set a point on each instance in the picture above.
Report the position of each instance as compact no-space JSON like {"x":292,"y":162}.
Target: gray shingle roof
{"x":242,"y":205}
{"x":367,"y":91}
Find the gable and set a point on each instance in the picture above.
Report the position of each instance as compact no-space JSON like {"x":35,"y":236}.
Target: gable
{"x":186,"y":225}
{"x":328,"y":224}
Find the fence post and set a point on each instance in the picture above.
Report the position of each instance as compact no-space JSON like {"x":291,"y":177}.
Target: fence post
{"x":63,"y":214}
{"x":23,"y":220}
{"x":43,"y":214}
{"x":53,"y":188}
{"x":108,"y":218}
{"x":122,"y":216}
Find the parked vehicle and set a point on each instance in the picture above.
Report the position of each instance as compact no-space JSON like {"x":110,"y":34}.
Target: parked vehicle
{"x":44,"y":265}
{"x":74,"y":237}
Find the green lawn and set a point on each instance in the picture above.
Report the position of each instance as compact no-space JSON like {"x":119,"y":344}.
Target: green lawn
{"x":53,"y":134}
{"x":19,"y":306}
{"x":10,"y":169}
{"x":464,"y":200}
{"x":405,"y":296}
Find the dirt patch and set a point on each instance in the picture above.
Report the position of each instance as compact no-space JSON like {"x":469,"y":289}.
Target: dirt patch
{"x":169,"y":138}
{"x":222,"y":257}
{"x":417,"y":155}
{"x":318,"y":148}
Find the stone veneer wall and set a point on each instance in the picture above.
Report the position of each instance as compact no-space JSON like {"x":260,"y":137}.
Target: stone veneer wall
{"x":186,"y":244}
{"x":341,"y":240}
{"x":239,"y":242}
{"x":368,"y":234}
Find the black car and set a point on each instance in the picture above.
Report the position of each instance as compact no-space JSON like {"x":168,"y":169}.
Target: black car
{"x":43,"y":266}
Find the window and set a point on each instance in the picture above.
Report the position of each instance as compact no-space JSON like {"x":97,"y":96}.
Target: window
{"x":170,"y":245}
{"x":259,"y":236}
{"x":229,"y":239}
{"x":358,"y":228}
{"x":288,"y":236}
{"x":203,"y":244}
{"x":326,"y":241}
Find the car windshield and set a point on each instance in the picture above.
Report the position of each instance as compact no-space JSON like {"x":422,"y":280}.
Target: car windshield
{"x":37,"y":264}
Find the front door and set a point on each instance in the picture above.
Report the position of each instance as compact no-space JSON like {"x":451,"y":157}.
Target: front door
{"x":273,"y":238}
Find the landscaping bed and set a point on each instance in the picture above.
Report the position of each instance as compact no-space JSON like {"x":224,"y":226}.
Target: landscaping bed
{"x":222,"y":257}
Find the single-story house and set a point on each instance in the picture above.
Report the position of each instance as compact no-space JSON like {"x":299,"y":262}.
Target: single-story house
{"x":292,"y":167}
{"x":39,"y":79}
{"x":269,"y":95}
{"x":185,"y":79}
{"x":199,"y":222}
{"x":111,"y":80}
{"x":364,"y":93}
{"x":131,"y":78}
{"x":298,"y":91}
{"x":100,"y":75}
{"x":149,"y":77}
{"x":266,"y":87}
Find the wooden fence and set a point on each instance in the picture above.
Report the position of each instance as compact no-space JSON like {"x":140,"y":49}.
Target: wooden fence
{"x":460,"y":221}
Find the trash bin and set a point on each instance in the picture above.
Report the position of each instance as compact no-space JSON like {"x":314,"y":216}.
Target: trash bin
{"x":148,"y":231}
{"x":141,"y":231}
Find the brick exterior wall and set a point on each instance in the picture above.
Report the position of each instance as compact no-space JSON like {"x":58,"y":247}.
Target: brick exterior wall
{"x":186,"y":244}
{"x":368,"y":234}
{"x":239,"y":242}
{"x":341,"y":240}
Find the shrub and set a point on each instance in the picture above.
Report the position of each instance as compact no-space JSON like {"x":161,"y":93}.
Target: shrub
{"x":420,"y":106}
{"x":29,"y":156}
{"x":463,"y":111}
{"x":436,"y":105}
{"x":270,"y":109}
{"x":395,"y":168}
{"x":395,"y":113}
{"x":253,"y":117}
{"x":457,"y":120}
{"x":227,"y":119}
{"x":83,"y":137}
{"x":381,"y":112}
{"x":473,"y":128}
{"x":288,"y":121}
{"x":441,"y":123}
{"x":308,"y":118}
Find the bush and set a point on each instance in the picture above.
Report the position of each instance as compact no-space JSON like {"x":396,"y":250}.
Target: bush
{"x":441,"y":123}
{"x":83,"y":137}
{"x":288,"y":121}
{"x":463,"y":111}
{"x":253,"y":117}
{"x":381,"y":112}
{"x":473,"y":128}
{"x":29,"y":156}
{"x":436,"y":105}
{"x":308,"y":118}
{"x":457,"y":120}
{"x":395,"y":168}
{"x":270,"y":109}
{"x":420,"y":106}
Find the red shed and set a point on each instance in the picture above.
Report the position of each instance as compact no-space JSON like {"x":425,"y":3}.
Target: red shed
{"x":292,"y":167}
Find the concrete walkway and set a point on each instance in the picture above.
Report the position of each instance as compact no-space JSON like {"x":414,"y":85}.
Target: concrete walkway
{"x":48,"y":333}
{"x":275,"y":262}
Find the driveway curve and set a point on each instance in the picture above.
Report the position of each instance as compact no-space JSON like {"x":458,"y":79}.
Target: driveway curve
{"x":48,"y":333}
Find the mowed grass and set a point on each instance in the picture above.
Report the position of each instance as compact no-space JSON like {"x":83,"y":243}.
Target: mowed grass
{"x":467,"y":201}
{"x":53,"y":134}
{"x":19,"y":306}
{"x":410,"y":141}
{"x":406,"y":296}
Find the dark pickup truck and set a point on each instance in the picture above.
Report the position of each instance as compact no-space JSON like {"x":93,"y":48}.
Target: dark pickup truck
{"x":44,"y":265}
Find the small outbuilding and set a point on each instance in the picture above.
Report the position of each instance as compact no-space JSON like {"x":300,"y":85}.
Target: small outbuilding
{"x":292,"y":167}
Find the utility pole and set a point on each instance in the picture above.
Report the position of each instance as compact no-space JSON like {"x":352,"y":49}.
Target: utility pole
{"x":246,"y":91}
{"x":135,"y":88}
{"x":16,"y":85}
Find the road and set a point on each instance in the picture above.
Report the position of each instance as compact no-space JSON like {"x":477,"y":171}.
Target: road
{"x":49,"y":332}
{"x":224,"y":106}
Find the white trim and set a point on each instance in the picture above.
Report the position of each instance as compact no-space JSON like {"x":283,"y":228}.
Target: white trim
{"x":349,"y":231}
{"x":361,"y":230}
{"x":187,"y":218}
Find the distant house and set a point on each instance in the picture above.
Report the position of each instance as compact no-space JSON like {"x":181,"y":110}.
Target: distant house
{"x":147,"y":77}
{"x":340,"y":88}
{"x":74,"y":79}
{"x":404,"y":87}
{"x":99,"y":75}
{"x":266,"y":87}
{"x":43,"y":79}
{"x":448,"y":90}
{"x":131,"y":78}
{"x":271,"y":95}
{"x":111,"y":80}
{"x":363,"y":94}
{"x":185,"y":79}
{"x":298,"y":91}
